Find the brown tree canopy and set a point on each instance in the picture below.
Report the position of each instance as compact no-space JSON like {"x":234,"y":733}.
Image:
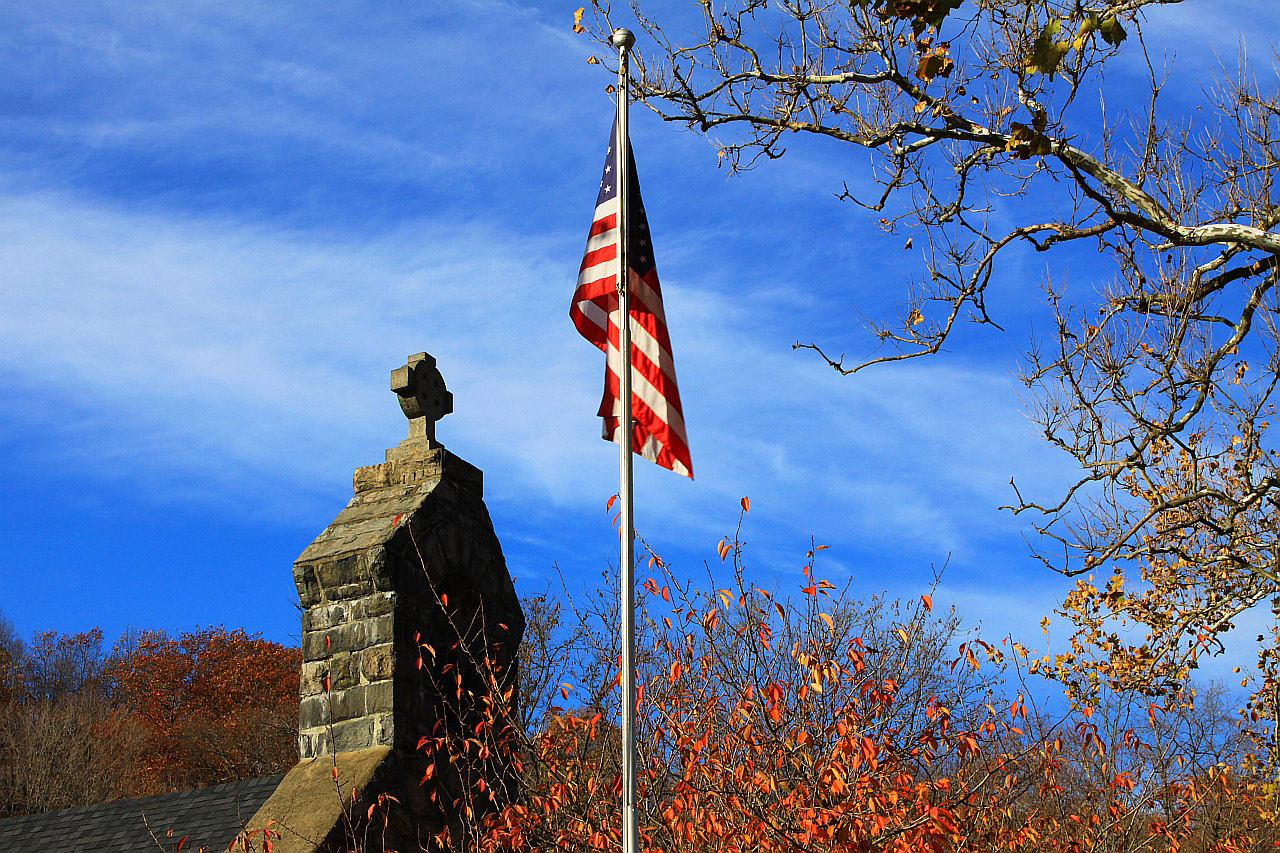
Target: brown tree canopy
{"x":984,"y":123}
{"x":219,"y":705}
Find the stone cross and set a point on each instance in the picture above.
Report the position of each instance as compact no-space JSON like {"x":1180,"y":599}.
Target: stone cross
{"x":423,"y":396}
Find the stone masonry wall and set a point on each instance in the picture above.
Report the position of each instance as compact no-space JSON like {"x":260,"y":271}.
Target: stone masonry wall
{"x":373,"y":584}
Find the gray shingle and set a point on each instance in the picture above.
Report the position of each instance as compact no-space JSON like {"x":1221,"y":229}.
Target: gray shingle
{"x":208,"y":817}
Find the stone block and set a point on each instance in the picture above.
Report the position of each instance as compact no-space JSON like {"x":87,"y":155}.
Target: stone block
{"x":376,"y":662}
{"x":343,"y":671}
{"x":314,"y":647}
{"x":311,"y":677}
{"x":374,"y":604}
{"x":379,"y":697}
{"x":324,"y":616}
{"x":341,"y":571}
{"x":304,"y":578}
{"x":351,"y":735}
{"x":375,"y":631}
{"x":313,"y":712}
{"x":348,"y":704}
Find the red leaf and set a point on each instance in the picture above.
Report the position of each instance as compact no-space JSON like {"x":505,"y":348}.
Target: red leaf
{"x":609,"y":504}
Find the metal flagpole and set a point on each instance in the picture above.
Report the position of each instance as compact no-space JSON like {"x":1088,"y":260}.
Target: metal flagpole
{"x":623,"y":40}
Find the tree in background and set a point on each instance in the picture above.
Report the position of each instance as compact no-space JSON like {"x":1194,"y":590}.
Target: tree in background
{"x":63,"y":741}
{"x":81,"y":725}
{"x":219,"y":706}
{"x":988,"y":138}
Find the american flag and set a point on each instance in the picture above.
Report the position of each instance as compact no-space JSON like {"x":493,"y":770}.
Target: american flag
{"x":658,"y":432}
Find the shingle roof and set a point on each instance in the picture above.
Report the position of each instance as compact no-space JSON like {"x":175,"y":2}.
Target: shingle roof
{"x":208,"y":817}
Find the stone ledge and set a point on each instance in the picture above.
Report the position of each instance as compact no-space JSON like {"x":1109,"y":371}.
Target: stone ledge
{"x":414,"y":462}
{"x":306,"y":809}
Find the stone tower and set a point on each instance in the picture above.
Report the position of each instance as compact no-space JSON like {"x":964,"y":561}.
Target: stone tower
{"x":409,"y":615}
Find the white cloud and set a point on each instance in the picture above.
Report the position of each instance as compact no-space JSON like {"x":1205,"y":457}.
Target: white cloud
{"x":227,"y":347}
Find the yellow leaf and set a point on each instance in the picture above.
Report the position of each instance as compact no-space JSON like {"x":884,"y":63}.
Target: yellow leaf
{"x":577,"y":20}
{"x":903,"y":635}
{"x":826,"y":617}
{"x":591,"y":60}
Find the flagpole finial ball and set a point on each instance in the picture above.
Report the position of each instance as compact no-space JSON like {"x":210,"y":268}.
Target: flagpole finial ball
{"x":623,"y":38}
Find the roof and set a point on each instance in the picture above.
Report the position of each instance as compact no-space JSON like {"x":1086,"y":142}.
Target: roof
{"x":207,"y":817}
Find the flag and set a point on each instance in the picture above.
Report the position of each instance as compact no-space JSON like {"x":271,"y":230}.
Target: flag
{"x":658,"y":432}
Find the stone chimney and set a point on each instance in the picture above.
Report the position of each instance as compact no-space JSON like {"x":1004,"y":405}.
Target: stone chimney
{"x":409,"y":613}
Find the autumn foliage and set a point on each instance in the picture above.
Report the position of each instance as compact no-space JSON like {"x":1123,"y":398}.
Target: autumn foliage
{"x":811,"y":722}
{"x":80,"y":724}
{"x":218,"y":705}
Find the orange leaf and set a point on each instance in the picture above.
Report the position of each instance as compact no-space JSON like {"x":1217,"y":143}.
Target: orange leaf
{"x":746,"y":504}
{"x":928,"y":602}
{"x":722,"y":548}
{"x":609,"y":503}
{"x":335,"y":773}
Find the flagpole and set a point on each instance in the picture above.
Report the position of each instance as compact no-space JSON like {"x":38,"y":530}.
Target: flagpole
{"x":623,"y":39}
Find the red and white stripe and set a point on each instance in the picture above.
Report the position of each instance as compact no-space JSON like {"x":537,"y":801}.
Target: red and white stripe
{"x":658,"y":432}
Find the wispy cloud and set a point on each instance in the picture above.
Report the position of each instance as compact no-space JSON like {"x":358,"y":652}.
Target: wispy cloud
{"x":234,"y":354}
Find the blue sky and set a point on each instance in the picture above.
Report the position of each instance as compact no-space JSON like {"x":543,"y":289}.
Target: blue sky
{"x":223,"y":223}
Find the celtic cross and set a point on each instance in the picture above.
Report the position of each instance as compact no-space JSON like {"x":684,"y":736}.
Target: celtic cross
{"x":423,"y":396}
